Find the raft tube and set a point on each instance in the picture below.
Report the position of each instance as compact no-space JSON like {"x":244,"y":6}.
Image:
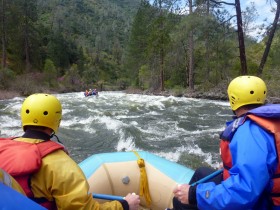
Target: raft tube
{"x":11,"y":199}
{"x":118,"y":173}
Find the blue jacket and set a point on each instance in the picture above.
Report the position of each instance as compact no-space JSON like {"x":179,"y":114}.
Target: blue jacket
{"x":254,"y":161}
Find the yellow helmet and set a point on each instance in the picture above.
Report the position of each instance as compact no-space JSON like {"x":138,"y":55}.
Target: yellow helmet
{"x":41,"y":110}
{"x":244,"y":90}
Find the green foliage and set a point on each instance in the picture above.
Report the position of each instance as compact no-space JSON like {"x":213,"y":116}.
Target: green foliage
{"x":122,"y":43}
{"x":90,"y":76}
{"x":123,"y":83}
{"x":6,"y":75}
{"x":275,"y":51}
{"x":272,"y":77}
{"x":136,"y":54}
{"x":178,"y":90}
{"x":50,"y":73}
{"x":110,"y":69}
{"x":144,"y":77}
{"x":72,"y":81}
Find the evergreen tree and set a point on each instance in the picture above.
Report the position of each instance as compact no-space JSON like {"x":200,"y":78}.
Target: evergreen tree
{"x":138,"y":42}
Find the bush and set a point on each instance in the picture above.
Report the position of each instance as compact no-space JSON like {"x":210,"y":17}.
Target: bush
{"x":178,"y":91}
{"x":7,"y":77}
{"x":27,"y":84}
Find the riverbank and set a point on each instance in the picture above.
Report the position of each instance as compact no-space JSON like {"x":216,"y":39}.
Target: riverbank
{"x":8,"y":94}
{"x":215,"y":94}
{"x":212,"y":94}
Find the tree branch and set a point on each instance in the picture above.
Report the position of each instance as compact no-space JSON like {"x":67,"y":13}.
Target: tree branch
{"x":229,"y":19}
{"x":222,"y":2}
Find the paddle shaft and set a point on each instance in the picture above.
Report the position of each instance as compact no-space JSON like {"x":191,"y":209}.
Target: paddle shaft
{"x":107,"y":197}
{"x":210,"y":176}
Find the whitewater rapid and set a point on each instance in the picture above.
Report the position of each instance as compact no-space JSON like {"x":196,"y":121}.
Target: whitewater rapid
{"x":183,"y":130}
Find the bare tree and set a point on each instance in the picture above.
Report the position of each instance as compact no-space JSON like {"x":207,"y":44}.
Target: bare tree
{"x":242,"y":51}
{"x":271,"y":33}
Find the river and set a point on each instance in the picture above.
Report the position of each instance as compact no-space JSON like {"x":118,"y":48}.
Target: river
{"x":184,"y":130}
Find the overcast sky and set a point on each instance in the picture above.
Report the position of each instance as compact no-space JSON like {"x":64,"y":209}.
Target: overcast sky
{"x":263,"y":10}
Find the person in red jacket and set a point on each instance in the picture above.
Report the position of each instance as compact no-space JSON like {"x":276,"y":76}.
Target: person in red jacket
{"x":42,"y":167}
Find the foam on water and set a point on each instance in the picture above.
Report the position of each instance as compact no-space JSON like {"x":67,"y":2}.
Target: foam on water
{"x":170,"y":127}
{"x":110,"y":123}
{"x":126,"y":144}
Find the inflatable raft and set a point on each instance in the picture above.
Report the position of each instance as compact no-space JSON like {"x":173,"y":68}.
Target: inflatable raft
{"x":13,"y":200}
{"x":146,"y":174}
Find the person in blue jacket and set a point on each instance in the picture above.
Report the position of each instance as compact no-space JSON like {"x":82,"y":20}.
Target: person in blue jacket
{"x":250,"y":148}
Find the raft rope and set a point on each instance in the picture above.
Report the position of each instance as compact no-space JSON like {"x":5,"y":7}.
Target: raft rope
{"x":144,"y":185}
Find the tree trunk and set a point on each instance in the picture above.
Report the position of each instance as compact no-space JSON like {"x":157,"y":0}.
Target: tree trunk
{"x":4,"y":42}
{"x":270,"y":38}
{"x":207,"y":54}
{"x":161,"y":54}
{"x":191,"y":56}
{"x":241,"y":39}
{"x":26,"y":41}
{"x":161,"y":70}
{"x":27,"y":56}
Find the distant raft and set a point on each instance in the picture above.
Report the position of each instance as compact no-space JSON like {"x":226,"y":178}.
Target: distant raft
{"x":93,"y":92}
{"x":146,"y":174}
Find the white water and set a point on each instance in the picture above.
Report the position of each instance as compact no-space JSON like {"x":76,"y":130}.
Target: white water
{"x":183,"y":130}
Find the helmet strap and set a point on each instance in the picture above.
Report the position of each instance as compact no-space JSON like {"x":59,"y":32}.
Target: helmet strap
{"x":57,"y":139}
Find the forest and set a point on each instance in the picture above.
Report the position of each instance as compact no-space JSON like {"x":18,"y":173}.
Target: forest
{"x":156,"y":45}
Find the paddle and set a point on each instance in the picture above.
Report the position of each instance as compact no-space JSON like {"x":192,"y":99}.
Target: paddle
{"x":210,"y":176}
{"x":107,"y":197}
{"x":119,"y":198}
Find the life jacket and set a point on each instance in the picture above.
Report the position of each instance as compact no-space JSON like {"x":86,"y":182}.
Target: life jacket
{"x":22,"y":159}
{"x":271,"y":123}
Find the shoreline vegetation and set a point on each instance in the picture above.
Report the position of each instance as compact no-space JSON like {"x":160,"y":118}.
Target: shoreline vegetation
{"x":214,"y":94}
{"x":8,"y":94}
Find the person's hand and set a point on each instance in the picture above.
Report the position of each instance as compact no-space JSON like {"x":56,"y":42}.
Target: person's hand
{"x":181,"y":192}
{"x":133,"y":201}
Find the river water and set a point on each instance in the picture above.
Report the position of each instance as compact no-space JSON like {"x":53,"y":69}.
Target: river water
{"x":183,"y":130}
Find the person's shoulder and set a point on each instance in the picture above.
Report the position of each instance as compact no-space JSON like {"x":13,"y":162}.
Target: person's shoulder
{"x":58,"y":159}
{"x":58,"y":155}
{"x":251,"y":129}
{"x":60,"y":164}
